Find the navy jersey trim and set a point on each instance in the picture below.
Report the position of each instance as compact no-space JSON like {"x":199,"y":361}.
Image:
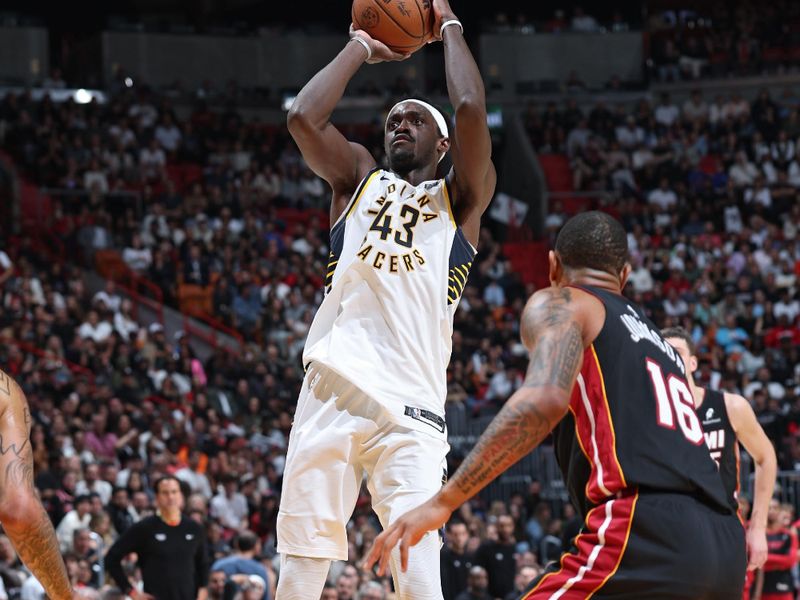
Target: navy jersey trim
{"x":461,"y":257}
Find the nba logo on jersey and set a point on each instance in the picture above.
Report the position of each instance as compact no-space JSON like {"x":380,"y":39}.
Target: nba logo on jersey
{"x":416,"y":413}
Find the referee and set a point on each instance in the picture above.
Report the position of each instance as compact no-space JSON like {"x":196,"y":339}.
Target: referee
{"x":170,"y":547}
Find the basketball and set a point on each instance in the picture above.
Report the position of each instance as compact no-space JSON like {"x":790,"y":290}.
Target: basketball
{"x":403,"y":25}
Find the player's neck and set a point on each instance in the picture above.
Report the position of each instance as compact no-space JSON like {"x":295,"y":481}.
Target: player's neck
{"x":594,"y":278}
{"x":698,"y":393}
{"x":418,"y":175}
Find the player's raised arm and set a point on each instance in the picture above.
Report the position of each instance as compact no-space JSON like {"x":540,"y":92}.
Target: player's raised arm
{"x":21,"y":513}
{"x":755,"y":441}
{"x":471,"y":147}
{"x":341,"y":163}
{"x":552,"y":329}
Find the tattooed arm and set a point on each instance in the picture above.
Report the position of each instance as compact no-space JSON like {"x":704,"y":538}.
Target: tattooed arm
{"x":22,"y":515}
{"x":555,"y":342}
{"x":552,"y":331}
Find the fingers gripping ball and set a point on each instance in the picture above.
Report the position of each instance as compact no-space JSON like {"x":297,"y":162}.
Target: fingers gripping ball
{"x":403,"y":25}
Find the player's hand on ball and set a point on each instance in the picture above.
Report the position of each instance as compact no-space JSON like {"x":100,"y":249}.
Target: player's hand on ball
{"x":441,"y":13}
{"x":408,"y":530}
{"x":380,"y":51}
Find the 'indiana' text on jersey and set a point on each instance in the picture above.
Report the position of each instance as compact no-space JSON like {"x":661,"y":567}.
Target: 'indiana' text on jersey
{"x":397,"y":268}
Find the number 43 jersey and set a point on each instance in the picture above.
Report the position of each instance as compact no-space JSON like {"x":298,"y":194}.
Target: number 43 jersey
{"x":398,"y":265}
{"x":631,"y":419}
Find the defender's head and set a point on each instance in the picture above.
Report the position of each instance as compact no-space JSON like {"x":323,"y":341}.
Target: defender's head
{"x":590,"y":243}
{"x":416,"y":135}
{"x":679,"y":338}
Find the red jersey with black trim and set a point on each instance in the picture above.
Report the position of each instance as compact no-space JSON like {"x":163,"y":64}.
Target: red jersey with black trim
{"x":631,"y":419}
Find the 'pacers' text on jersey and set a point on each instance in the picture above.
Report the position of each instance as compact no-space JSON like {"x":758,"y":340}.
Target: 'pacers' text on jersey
{"x":397,"y":268}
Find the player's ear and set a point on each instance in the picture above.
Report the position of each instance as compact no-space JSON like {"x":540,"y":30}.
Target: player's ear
{"x":443,"y":145}
{"x":556,"y":268}
{"x":692,"y":363}
{"x":624,"y":274}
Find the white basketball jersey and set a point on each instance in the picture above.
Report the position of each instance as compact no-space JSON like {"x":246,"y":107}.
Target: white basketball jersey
{"x":398,"y":266}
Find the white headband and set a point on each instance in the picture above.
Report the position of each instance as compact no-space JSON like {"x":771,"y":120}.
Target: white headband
{"x":441,"y":123}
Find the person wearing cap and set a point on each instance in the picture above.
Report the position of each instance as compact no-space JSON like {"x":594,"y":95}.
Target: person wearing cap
{"x":403,"y":240}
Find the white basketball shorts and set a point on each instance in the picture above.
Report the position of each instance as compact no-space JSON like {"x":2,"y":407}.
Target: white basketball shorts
{"x":339,"y":434}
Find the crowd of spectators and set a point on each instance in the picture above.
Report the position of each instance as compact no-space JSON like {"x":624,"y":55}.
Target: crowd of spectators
{"x":709,"y":194}
{"x":723,"y":39}
{"x":706,"y":190}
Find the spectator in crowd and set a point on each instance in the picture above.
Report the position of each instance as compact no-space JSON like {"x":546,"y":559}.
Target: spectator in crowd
{"x":477,"y":586}
{"x":170,"y":550}
{"x":229,"y":505}
{"x":77,"y":518}
{"x":456,"y":560}
{"x":497,"y":557}
{"x":525,"y":575}
{"x":243,"y":562}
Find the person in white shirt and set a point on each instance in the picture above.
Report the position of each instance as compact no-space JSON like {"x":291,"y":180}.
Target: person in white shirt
{"x":229,"y":506}
{"x":109,"y":296}
{"x":695,"y":108}
{"x":124,"y":324}
{"x":758,"y":194}
{"x":152,"y":160}
{"x":95,"y":178}
{"x":92,"y":484}
{"x":666,"y":113}
{"x":168,"y":135}
{"x":75,"y":519}
{"x":584,"y":23}
{"x":663,"y":196}
{"x":94,"y":328}
{"x":742,"y":172}
{"x":787,"y":306}
{"x":629,"y":134}
{"x":136,"y":256}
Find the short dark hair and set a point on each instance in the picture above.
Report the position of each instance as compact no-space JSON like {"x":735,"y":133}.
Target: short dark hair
{"x":593,"y":240}
{"x":681,"y":334}
{"x":246,"y":541}
{"x":164,"y":478}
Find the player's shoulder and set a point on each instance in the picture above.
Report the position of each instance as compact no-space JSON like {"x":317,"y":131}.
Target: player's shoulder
{"x":736,"y":404}
{"x":10,"y":391}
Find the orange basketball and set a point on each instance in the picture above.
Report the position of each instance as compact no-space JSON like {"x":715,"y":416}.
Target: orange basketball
{"x":403,"y":25}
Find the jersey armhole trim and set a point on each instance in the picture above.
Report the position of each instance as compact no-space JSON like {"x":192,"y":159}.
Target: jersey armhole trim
{"x":446,"y":188}
{"x":351,"y":207}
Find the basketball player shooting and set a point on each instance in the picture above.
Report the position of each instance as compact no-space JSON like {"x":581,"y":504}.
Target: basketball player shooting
{"x":402,"y":243}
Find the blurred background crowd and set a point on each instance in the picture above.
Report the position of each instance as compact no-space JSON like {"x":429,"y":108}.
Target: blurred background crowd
{"x":219,"y":213}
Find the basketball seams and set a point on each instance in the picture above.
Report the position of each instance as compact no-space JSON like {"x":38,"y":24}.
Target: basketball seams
{"x":395,"y":21}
